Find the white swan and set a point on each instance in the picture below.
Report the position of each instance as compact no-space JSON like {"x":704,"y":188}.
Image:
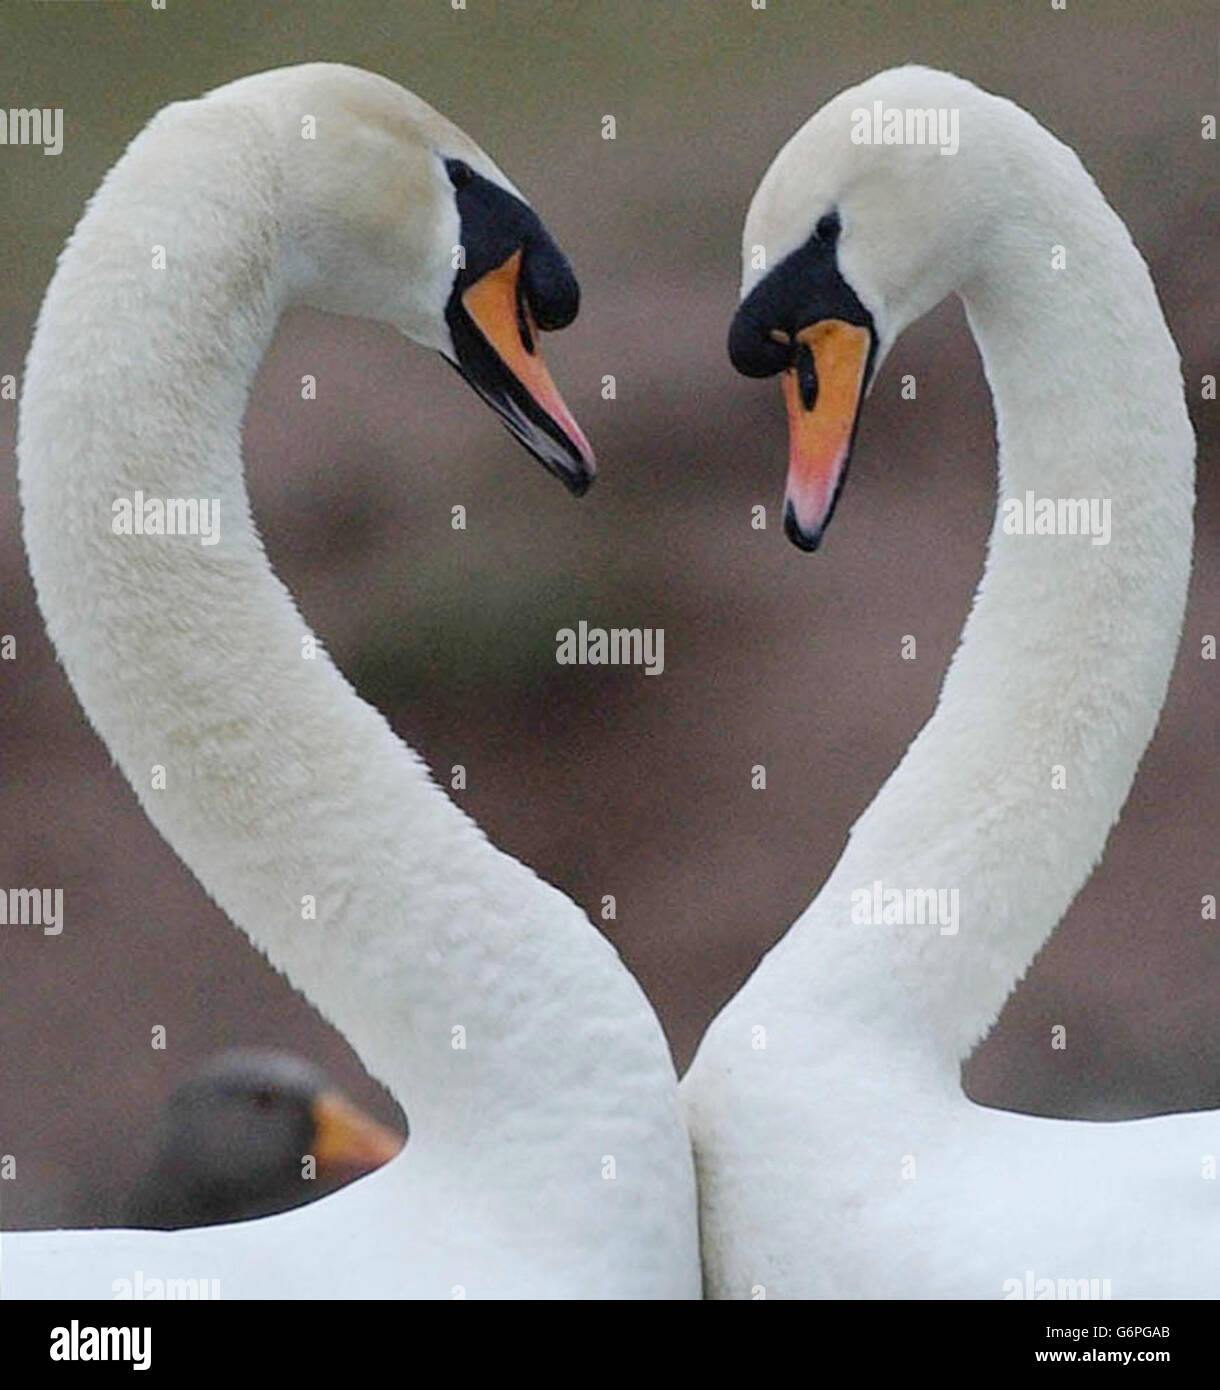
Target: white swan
{"x":548,"y":1156}
{"x":837,"y":1155}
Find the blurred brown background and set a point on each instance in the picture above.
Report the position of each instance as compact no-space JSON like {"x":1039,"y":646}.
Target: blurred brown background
{"x":605,"y":780}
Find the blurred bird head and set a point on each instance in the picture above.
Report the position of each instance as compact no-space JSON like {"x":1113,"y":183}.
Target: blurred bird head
{"x":236,"y":1138}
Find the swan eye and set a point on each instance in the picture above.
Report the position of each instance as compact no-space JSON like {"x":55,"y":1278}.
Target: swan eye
{"x":460,"y":173}
{"x":264,"y":1100}
{"x":828,"y":227}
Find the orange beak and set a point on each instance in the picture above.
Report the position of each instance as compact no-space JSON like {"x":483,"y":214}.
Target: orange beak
{"x":823,"y":399}
{"x":508,"y":372}
{"x":347,"y":1141}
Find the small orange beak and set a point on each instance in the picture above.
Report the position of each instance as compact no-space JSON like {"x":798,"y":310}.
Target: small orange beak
{"x":820,"y":430}
{"x":502,"y":315}
{"x":346,"y":1140}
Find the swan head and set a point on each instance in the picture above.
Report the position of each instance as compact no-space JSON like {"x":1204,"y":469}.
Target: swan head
{"x":847,"y":241}
{"x":231,"y":1140}
{"x":394,"y":214}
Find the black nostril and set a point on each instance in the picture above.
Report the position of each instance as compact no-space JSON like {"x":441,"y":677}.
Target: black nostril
{"x":550,"y":286}
{"x":806,"y":375}
{"x":752,"y":350}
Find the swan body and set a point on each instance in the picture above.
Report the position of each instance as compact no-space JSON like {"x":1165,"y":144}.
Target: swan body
{"x":548,"y":1154}
{"x":837,"y":1155}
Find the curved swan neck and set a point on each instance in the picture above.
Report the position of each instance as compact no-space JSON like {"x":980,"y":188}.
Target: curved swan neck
{"x":1007,"y":795}
{"x":478,"y":993}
